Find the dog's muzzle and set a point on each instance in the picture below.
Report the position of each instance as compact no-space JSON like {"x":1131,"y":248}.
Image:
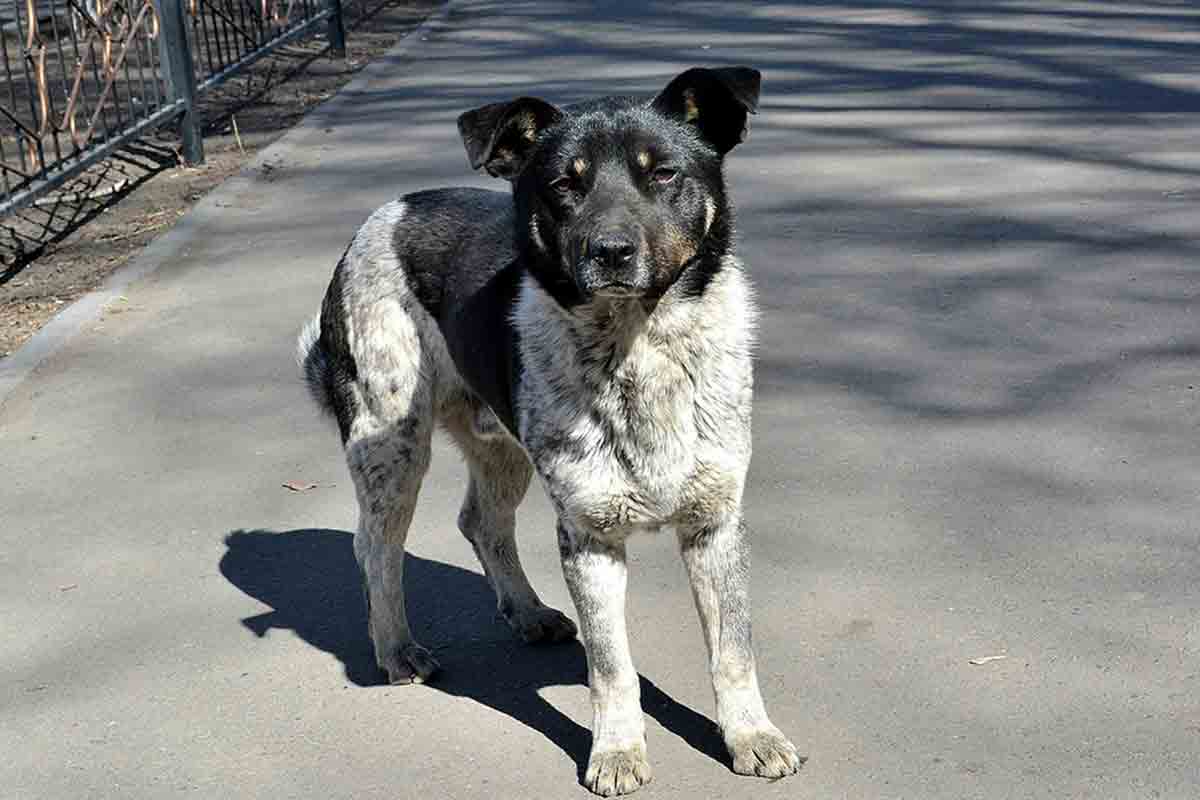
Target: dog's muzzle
{"x":612,"y":266}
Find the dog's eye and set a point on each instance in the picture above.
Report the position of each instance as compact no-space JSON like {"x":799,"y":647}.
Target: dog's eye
{"x":663,"y":175}
{"x":562,"y":185}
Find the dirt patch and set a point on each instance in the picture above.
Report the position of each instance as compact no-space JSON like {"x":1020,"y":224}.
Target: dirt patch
{"x":67,"y":245}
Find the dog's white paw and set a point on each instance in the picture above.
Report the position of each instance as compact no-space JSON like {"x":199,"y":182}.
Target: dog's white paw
{"x":614,"y":772}
{"x":542,"y":624}
{"x":764,"y":752}
{"x":411,"y":663}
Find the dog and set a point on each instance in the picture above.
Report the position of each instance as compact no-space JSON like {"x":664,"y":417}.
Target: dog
{"x":592,"y":327}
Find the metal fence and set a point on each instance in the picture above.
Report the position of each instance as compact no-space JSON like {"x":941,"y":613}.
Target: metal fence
{"x":83,"y":77}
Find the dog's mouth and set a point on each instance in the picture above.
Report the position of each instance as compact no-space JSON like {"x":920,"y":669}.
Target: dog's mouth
{"x":617,"y":290}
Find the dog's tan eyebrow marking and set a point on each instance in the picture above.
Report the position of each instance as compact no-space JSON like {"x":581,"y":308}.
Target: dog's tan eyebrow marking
{"x":643,"y":159}
{"x":691,"y":110}
{"x":579,"y":165}
{"x":528,"y":126}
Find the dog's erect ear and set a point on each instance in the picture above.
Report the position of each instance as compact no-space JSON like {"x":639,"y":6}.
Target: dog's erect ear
{"x":499,"y":137}
{"x":717,"y":101}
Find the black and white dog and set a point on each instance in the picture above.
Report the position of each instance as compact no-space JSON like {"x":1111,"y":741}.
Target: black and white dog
{"x":594,"y":328}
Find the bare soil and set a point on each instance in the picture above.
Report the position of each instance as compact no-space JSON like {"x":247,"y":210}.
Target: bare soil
{"x":70,"y":243}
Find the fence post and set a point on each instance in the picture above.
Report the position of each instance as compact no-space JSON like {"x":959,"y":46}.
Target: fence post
{"x":180,"y":75}
{"x":337,"y":30}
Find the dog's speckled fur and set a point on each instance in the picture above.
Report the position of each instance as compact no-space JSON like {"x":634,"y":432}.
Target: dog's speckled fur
{"x":594,"y":329}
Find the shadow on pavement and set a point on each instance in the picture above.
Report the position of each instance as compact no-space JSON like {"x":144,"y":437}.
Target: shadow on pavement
{"x":310,"y":580}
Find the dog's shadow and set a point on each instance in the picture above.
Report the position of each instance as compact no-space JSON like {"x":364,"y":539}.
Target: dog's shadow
{"x":310,"y":580}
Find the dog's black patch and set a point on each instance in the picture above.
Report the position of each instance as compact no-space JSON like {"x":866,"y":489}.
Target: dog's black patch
{"x":470,"y":299}
{"x":483,"y":342}
{"x":336,"y":367}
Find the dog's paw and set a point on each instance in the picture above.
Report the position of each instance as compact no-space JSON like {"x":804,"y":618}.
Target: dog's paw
{"x":764,"y":752}
{"x":614,"y":772}
{"x":542,"y":624}
{"x":410,"y":664}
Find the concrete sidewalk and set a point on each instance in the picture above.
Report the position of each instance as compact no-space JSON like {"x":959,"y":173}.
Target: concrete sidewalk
{"x":974,"y":231}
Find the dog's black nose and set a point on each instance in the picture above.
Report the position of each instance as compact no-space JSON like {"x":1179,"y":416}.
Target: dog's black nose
{"x":612,"y":248}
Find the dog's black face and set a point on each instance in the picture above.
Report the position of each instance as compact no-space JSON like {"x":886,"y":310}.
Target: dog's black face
{"x":619,"y":197}
{"x":616,"y":201}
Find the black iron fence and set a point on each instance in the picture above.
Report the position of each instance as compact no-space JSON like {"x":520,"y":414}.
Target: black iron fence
{"x":83,"y":77}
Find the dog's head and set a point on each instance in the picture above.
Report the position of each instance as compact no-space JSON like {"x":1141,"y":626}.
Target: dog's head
{"x":620,"y":197}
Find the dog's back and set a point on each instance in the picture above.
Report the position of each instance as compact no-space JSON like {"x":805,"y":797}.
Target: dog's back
{"x":450,"y":251}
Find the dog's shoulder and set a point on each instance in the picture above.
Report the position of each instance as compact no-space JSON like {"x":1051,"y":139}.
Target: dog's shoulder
{"x":447,"y":254}
{"x":451,"y":242}
{"x":455,"y":247}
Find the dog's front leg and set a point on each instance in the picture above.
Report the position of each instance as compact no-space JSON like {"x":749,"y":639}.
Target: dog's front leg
{"x":717,"y":558}
{"x":596,"y":577}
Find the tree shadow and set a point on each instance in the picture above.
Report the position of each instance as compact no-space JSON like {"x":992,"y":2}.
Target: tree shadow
{"x":312,"y":583}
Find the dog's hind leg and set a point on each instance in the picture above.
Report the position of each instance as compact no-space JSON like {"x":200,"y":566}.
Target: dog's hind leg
{"x":387,"y":467}
{"x":499,"y":476}
{"x":390,"y":421}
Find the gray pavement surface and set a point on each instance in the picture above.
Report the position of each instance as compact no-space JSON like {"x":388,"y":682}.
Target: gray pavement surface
{"x":974,"y":231}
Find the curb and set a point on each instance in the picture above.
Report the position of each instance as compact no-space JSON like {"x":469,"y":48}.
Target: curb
{"x":69,"y":322}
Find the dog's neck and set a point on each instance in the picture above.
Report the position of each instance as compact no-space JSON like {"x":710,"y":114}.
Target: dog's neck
{"x":645,"y":387}
{"x":684,"y":327}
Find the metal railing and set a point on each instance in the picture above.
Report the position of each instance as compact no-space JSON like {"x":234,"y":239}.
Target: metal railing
{"x":83,"y":77}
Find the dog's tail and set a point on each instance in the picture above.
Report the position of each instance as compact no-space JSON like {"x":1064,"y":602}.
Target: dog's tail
{"x":314,"y":365}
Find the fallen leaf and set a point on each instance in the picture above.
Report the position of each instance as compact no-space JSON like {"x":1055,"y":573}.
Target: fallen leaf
{"x":298,"y":486}
{"x":68,"y":587}
{"x":985,"y":659}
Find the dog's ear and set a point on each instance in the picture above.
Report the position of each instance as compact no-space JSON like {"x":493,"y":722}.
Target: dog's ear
{"x":499,"y":137}
{"x":717,"y":101}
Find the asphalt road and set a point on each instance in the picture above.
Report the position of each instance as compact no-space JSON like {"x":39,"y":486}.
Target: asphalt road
{"x":974,"y":231}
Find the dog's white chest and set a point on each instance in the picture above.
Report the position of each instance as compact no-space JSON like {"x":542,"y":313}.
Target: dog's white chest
{"x":631,"y":455}
{"x":637,"y":423}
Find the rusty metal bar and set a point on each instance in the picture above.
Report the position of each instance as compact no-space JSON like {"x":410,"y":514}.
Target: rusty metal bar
{"x":84,"y":77}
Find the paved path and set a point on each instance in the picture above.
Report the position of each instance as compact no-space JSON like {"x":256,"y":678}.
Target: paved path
{"x":975,"y":231}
